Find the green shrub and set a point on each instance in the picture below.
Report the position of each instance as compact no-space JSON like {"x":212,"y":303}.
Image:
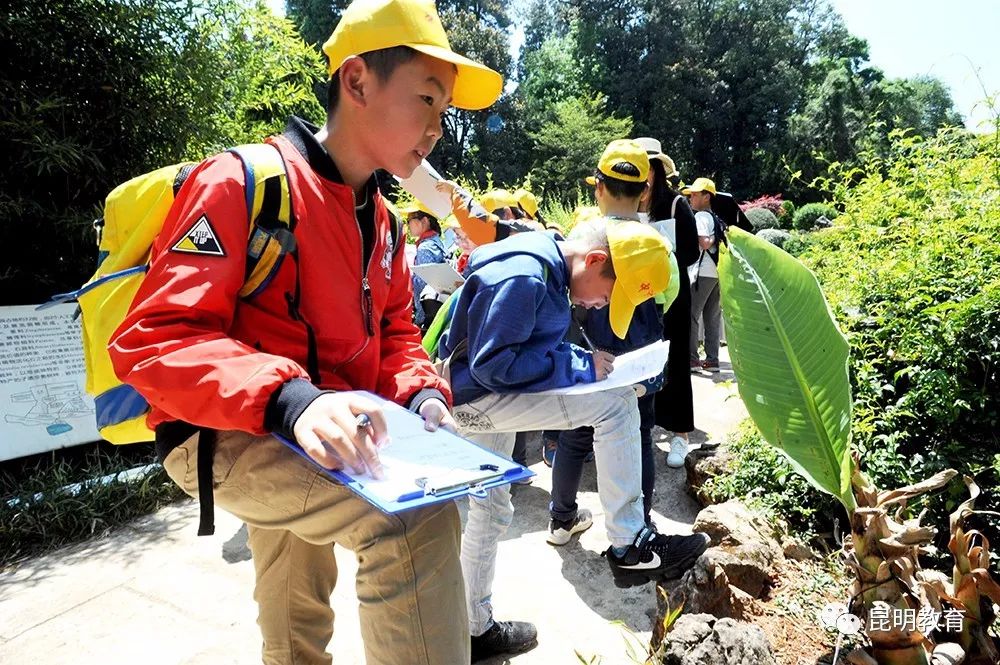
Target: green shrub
{"x":762,"y":218}
{"x":912,"y":274}
{"x":787,"y":215}
{"x":797,"y":242}
{"x":776,"y":237}
{"x":805,"y":217}
{"x":760,"y":476}
{"x":38,"y":514}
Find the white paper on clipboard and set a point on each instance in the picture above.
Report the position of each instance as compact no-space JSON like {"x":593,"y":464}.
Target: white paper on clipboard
{"x":422,"y":185}
{"x":440,"y":276}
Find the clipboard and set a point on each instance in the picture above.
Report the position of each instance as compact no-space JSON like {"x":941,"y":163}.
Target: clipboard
{"x":480,"y":471}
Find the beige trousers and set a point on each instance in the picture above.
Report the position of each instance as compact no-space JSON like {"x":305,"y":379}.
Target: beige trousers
{"x":409,"y":581}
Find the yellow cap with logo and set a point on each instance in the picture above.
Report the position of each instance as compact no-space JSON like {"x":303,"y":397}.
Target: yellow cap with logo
{"x":623,"y":151}
{"x":699,"y":185}
{"x":641,"y":259}
{"x":372,"y":25}
{"x":527,"y":201}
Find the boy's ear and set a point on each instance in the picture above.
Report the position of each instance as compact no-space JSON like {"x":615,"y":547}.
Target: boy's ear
{"x":354,"y":76}
{"x":596,"y":257}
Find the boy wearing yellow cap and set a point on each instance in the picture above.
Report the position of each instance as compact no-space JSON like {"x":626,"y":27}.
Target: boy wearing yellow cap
{"x":335,"y":317}
{"x":506,"y":344}
{"x":619,"y":181}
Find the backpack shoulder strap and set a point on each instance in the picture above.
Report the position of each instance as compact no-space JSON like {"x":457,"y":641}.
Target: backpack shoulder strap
{"x":395,"y":226}
{"x":270,"y":220}
{"x":673,"y":206}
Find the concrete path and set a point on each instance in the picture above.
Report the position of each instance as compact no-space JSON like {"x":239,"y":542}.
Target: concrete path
{"x":154,"y":593}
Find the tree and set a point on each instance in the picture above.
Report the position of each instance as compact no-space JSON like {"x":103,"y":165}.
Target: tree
{"x":568,"y":146}
{"x":102,"y":90}
{"x":315,"y":19}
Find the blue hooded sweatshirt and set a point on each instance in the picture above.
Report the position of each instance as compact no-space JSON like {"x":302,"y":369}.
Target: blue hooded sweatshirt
{"x":514,"y":309}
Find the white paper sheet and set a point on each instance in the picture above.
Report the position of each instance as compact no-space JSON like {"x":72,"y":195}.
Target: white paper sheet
{"x":630,"y":368}
{"x":440,"y":276}
{"x":421,"y":184}
{"x":413,"y":453}
{"x":667,"y":229}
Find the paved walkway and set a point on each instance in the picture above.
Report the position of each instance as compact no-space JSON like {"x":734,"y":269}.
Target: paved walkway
{"x":154,"y":593}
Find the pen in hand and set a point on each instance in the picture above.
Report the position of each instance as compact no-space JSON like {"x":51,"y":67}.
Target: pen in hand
{"x":364,"y":422}
{"x":586,"y":340}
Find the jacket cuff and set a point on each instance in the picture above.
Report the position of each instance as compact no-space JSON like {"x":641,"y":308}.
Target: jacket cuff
{"x":427,"y":393}
{"x":287,"y":403}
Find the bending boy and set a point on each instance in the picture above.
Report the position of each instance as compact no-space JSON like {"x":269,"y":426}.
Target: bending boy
{"x":508,"y":328}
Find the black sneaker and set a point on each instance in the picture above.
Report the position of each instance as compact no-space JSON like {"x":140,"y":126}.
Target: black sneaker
{"x":655,"y":557}
{"x":504,"y":637}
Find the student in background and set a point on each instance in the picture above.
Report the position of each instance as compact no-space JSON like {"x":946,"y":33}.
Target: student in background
{"x":619,"y":181}
{"x":426,"y":233}
{"x":675,"y":403}
{"x":704,"y":274}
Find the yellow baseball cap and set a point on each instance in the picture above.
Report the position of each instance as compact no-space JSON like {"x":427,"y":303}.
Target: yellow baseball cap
{"x":527,"y":201}
{"x":622,"y":151}
{"x":371,"y":25}
{"x":497,"y":198}
{"x":700,"y":185}
{"x":416,"y":206}
{"x":641,"y":259}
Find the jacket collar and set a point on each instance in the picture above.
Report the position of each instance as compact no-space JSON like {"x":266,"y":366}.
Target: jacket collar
{"x":302,"y":134}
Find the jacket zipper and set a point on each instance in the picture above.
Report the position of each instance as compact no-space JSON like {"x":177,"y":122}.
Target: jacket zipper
{"x":366,"y":290}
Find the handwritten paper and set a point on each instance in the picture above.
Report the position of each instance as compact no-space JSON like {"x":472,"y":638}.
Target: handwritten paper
{"x":630,"y":368}
{"x":416,"y":458}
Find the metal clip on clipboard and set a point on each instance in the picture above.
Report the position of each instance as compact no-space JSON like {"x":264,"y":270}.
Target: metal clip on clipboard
{"x":471,"y":480}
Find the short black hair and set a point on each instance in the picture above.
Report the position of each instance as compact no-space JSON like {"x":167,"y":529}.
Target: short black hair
{"x":383,"y":62}
{"x":622,"y":189}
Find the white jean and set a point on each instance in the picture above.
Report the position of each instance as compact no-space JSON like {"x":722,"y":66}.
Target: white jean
{"x":493,"y":421}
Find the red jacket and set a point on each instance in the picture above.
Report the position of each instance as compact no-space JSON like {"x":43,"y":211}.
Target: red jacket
{"x":201,"y":355}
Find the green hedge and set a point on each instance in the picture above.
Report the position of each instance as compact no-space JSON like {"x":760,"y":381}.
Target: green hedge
{"x":806,"y":217}
{"x":762,"y":218}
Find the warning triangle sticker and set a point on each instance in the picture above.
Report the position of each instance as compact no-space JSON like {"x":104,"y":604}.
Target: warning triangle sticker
{"x":200,"y":239}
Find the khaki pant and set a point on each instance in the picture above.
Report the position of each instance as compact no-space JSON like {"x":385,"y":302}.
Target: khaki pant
{"x":409,"y":581}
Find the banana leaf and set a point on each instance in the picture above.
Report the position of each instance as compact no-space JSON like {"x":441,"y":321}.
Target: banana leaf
{"x":790,"y":360}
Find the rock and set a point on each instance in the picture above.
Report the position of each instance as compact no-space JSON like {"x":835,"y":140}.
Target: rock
{"x":743,"y":544}
{"x":701,"y":639}
{"x":702,"y":464}
{"x":738,"y":568}
{"x":796,"y":550}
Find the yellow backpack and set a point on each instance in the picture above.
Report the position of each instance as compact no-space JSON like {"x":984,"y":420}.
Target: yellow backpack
{"x":134,"y":213}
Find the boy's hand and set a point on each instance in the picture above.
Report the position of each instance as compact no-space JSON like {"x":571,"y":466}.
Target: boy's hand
{"x":706,"y":242}
{"x":604,"y":364}
{"x":328,"y":431}
{"x":446,"y":187}
{"x":435,"y":414}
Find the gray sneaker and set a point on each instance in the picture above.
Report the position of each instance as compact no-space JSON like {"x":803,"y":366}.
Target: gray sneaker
{"x":560,"y":532}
